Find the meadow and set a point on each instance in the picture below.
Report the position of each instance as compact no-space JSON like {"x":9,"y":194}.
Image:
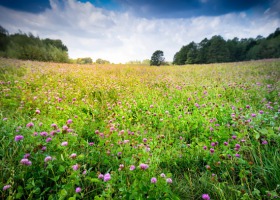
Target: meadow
{"x":99,"y":132}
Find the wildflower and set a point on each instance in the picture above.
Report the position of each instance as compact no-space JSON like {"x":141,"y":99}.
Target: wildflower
{"x":26,"y":155}
{"x":121,"y":166}
{"x":144,"y":166}
{"x":225,"y":143}
{"x":29,"y":125}
{"x":213,"y":144}
{"x":44,"y":134}
{"x":44,"y":148}
{"x":204,"y":147}
{"x":153,"y":180}
{"x":35,"y":133}
{"x":253,"y":115}
{"x":162,"y":175}
{"x":261,"y":112}
{"x":84,"y":172}
{"x":6,"y":187}
{"x":237,"y":146}
{"x":91,"y":143}
{"x":100,"y":176}
{"x":107,"y":177}
{"x":78,"y":189}
{"x":132,"y":167}
{"x":37,"y":111}
{"x":206,"y":197}
{"x":18,"y":138}
{"x":48,"y":139}
{"x":69,"y":121}
{"x":48,"y":158}
{"x":54,"y":126}
{"x":73,"y":155}
{"x":169,"y":180}
{"x":25,"y":161}
{"x":75,"y":167}
{"x":126,"y":141}
{"x":208,"y":167}
{"x":237,"y":155}
{"x":212,"y":150}
{"x":264,"y":142}
{"x":145,"y":140}
{"x":4,"y":119}
{"x":234,"y":137}
{"x":64,"y":143}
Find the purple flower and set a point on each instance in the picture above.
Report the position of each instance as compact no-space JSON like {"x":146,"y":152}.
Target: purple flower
{"x":212,"y":150}
{"x":91,"y":143}
{"x":44,"y":148}
{"x":153,"y":180}
{"x":25,"y":161}
{"x":237,"y":146}
{"x":204,"y":147}
{"x":48,"y":139}
{"x":18,"y":138}
{"x":29,"y":125}
{"x":6,"y":187}
{"x":107,"y":177}
{"x":64,"y":143}
{"x":69,"y":121}
{"x":54,"y":126}
{"x":264,"y":142}
{"x":75,"y":167}
{"x":26,"y":155}
{"x":234,"y":137}
{"x":237,"y":155}
{"x":48,"y":158}
{"x":37,"y":111}
{"x":253,"y":115}
{"x":169,"y":180}
{"x":100,"y":176}
{"x":145,"y":140}
{"x":213,"y":144}
{"x":261,"y":112}
{"x":44,"y":134}
{"x":78,"y":189}
{"x":206,"y":197}
{"x":162,"y":175}
{"x":144,"y":166}
{"x":225,"y":143}
{"x":132,"y":167}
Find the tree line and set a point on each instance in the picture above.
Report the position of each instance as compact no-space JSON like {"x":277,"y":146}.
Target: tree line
{"x":217,"y":50}
{"x":28,"y":47}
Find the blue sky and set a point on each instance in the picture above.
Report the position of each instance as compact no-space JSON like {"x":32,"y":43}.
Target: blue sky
{"x":124,"y":30}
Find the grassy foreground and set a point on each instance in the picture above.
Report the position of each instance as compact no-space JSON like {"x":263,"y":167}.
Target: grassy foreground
{"x":135,"y":132}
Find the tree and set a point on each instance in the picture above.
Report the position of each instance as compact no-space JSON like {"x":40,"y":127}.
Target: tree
{"x":101,"y":61}
{"x":157,"y":58}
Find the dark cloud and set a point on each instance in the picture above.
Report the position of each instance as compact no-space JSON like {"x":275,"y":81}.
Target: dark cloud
{"x":191,"y":8}
{"x":33,"y":6}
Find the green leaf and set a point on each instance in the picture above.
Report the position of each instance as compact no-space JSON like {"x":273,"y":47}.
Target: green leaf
{"x":61,"y":168}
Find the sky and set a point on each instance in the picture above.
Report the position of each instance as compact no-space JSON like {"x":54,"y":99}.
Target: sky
{"x":129,"y":30}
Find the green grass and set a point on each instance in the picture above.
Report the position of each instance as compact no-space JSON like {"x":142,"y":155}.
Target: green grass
{"x":165,"y":117}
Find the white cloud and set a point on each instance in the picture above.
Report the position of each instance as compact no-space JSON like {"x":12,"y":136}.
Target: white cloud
{"x":120,"y":37}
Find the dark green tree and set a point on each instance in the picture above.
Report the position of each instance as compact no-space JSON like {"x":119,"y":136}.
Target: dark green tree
{"x":157,"y":58}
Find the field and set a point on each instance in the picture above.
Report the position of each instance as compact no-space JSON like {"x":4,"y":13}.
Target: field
{"x":139,"y":132}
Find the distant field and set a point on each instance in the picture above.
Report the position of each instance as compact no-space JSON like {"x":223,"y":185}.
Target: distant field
{"x":139,"y":132}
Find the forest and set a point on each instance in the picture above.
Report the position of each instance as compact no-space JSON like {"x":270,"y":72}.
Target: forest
{"x":217,"y":50}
